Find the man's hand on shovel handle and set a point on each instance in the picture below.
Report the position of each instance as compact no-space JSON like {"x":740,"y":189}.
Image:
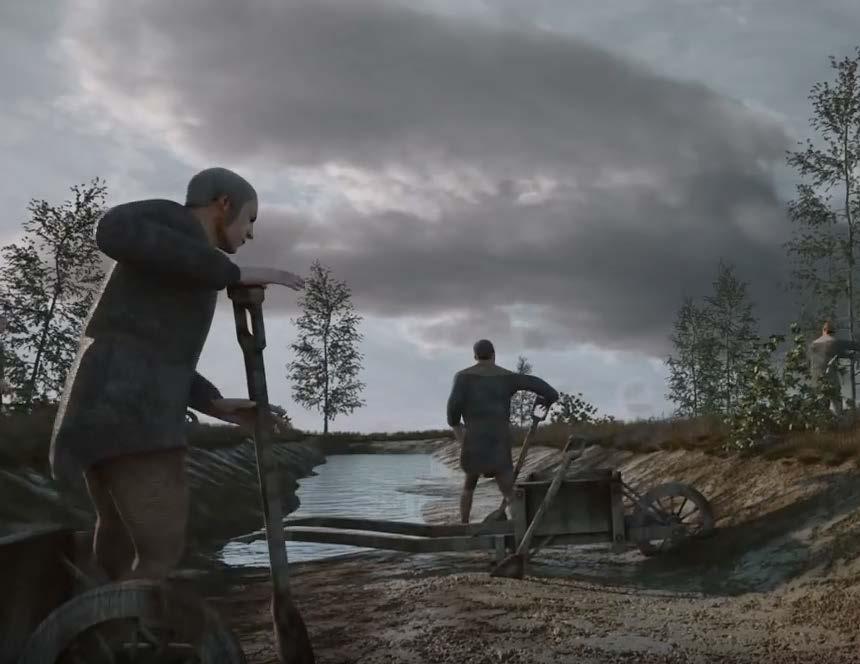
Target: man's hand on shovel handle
{"x":237,"y":411}
{"x":263,"y":276}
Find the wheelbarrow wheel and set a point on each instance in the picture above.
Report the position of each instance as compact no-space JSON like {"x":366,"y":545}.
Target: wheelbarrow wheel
{"x":673,"y":503}
{"x":133,"y":621}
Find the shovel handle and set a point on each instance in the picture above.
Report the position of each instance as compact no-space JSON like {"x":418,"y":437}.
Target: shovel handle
{"x":569,"y":455}
{"x":521,"y":457}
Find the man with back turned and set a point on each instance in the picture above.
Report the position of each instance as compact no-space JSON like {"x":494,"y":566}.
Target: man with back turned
{"x":481,"y":396}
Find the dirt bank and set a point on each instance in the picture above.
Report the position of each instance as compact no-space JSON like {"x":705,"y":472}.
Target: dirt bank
{"x":779,"y":582}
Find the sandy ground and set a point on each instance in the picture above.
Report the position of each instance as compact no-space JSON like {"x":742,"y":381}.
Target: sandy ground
{"x":779,"y":582}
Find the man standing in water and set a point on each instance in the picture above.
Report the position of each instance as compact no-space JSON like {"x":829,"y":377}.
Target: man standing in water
{"x":481,"y":396}
{"x":824,"y":351}
{"x":121,"y":420}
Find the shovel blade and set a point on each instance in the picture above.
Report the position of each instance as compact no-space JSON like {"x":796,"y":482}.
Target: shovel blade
{"x":292,"y":642}
{"x":496,"y":515}
{"x":512,"y":567}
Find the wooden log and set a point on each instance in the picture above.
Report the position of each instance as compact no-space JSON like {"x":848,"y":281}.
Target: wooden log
{"x":386,"y":526}
{"x":389,"y":541}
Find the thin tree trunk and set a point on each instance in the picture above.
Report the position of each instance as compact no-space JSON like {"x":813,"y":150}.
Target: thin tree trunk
{"x":325,"y":364}
{"x":31,"y":386}
{"x":848,"y":216}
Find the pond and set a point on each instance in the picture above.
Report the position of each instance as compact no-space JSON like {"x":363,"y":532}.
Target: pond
{"x":379,"y":486}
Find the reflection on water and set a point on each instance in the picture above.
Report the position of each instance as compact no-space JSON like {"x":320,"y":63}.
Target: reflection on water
{"x":379,"y":486}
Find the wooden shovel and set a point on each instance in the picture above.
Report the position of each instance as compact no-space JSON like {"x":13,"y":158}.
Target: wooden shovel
{"x":498,"y":514}
{"x":514,"y":565}
{"x":291,"y":636}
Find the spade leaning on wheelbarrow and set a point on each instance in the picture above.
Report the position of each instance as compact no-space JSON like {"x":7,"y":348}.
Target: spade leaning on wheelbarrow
{"x":121,"y":420}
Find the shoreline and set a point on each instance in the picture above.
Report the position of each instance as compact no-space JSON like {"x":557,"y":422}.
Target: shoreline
{"x":778,"y":582}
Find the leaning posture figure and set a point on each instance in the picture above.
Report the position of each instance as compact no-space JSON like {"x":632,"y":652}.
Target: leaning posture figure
{"x":121,"y":420}
{"x":824,"y":350}
{"x":481,"y":396}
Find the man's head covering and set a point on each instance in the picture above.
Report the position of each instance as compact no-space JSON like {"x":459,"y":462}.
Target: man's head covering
{"x":484,"y":349}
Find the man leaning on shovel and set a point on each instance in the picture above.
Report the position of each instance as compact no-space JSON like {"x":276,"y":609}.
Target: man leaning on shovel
{"x":121,"y":420}
{"x":481,"y":396}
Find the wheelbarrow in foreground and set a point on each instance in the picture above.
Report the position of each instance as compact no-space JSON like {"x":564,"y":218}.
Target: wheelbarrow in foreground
{"x":145,"y":621}
{"x":582,"y":508}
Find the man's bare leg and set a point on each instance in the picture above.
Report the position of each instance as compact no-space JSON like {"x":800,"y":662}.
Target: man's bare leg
{"x":505,"y":482}
{"x":113,"y":549}
{"x":469,"y":485}
{"x":151,"y":493}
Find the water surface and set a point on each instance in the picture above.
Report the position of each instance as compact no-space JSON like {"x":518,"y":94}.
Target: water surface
{"x":378,"y":486}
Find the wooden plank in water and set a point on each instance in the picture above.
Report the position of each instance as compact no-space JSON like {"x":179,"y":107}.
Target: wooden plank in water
{"x":389,"y":541}
{"x":402,"y":527}
{"x":392,"y":527}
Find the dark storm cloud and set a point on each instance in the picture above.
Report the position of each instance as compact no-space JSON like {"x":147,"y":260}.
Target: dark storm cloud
{"x":370,"y":83}
{"x":652,"y":179}
{"x":582,"y":273}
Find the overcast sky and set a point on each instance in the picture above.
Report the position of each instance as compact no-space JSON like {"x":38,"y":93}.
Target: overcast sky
{"x":553,"y":175}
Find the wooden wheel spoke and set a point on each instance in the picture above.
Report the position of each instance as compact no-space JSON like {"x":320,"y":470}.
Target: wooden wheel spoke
{"x":141,"y":622}
{"x":104,"y":648}
{"x":674,"y":504}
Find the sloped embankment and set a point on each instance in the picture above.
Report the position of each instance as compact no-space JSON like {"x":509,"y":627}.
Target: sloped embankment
{"x":225,"y":498}
{"x":777,"y":520}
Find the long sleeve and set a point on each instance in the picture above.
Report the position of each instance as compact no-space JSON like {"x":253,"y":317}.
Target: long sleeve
{"x":148,"y":235}
{"x":455,"y":401}
{"x":536,"y":385}
{"x":202,"y":394}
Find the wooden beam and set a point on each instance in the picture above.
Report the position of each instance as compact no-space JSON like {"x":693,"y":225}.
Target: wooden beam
{"x":389,"y":541}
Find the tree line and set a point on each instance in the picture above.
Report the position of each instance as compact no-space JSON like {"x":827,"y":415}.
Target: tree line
{"x":721,"y":366}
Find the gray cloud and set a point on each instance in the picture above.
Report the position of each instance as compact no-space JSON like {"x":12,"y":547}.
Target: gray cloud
{"x":373,"y":84}
{"x":562,"y":177}
{"x":559,"y":274}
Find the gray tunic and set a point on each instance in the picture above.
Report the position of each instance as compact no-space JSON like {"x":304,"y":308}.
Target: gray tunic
{"x":823,"y":350}
{"x":481,"y":395}
{"x":135,"y":372}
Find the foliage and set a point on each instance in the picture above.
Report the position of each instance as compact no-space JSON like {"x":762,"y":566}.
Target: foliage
{"x":825,"y":212}
{"x":729,"y":312}
{"x":324,"y":373}
{"x":694,"y":372}
{"x":781,"y":396}
{"x":280,"y":420}
{"x":521,"y":402}
{"x":48,"y":283}
{"x":574,"y":409}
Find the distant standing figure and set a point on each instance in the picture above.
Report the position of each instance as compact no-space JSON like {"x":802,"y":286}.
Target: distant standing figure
{"x":823,"y":351}
{"x":481,"y":396}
